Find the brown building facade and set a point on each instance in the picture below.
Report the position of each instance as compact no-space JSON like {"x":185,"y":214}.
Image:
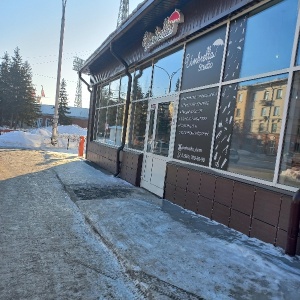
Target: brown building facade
{"x":196,"y":101}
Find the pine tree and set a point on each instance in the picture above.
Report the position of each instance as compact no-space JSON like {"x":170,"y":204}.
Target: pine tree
{"x":5,"y":86}
{"x":63,"y":109}
{"x":17,"y":88}
{"x":18,"y":104}
{"x":30,"y":108}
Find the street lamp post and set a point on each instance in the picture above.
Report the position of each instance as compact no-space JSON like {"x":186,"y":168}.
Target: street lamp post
{"x":169,"y":76}
{"x":55,"y":117}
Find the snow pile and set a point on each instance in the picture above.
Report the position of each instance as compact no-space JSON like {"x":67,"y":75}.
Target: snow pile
{"x":40,"y":138}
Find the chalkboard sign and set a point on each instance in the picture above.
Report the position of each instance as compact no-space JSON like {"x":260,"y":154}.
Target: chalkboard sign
{"x":235,"y":48}
{"x":195,"y":126}
{"x":203,"y":60}
{"x":224,"y":127}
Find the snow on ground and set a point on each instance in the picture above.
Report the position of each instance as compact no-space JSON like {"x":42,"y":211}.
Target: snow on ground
{"x":164,"y":241}
{"x":157,"y":238}
{"x":40,"y":138}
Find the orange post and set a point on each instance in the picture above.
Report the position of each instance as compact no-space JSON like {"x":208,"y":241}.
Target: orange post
{"x":81,"y":146}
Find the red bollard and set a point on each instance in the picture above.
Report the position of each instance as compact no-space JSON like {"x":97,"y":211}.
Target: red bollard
{"x":81,"y":146}
{"x":293,"y":229}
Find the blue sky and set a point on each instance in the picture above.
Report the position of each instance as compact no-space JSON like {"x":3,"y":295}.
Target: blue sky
{"x":34,"y":26}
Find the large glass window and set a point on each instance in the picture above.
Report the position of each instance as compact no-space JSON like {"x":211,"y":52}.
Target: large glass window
{"x":141,"y":83}
{"x":102,"y":130}
{"x":137,"y":128}
{"x":290,"y":164}
{"x":269,"y":38}
{"x":123,"y":89}
{"x":108,"y":122}
{"x":104,"y":95}
{"x":114,"y":91}
{"x":166,"y":74}
{"x":247,"y":144}
{"x":119,"y":124}
{"x":110,"y":137}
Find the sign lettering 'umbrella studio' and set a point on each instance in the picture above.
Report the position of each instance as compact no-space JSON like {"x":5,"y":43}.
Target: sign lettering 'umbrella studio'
{"x":169,"y":29}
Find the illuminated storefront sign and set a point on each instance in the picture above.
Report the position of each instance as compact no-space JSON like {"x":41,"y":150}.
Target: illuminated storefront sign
{"x":169,"y":29}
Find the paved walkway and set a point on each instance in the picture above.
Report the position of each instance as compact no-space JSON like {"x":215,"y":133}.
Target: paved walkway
{"x":70,"y":231}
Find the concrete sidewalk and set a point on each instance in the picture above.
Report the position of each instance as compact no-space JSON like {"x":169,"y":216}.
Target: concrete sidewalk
{"x":71,"y":231}
{"x":175,"y":252}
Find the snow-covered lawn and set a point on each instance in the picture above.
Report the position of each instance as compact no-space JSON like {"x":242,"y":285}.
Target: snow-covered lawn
{"x":40,"y":138}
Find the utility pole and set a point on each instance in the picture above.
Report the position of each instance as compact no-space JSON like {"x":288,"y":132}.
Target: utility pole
{"x":77,"y":65}
{"x":55,"y":117}
{"x":123,"y":12}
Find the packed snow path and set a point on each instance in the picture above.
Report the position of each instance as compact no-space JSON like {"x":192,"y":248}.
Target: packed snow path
{"x":70,"y":231}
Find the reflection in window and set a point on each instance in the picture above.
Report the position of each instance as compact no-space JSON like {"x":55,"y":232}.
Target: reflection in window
{"x":95,"y":128}
{"x":102,"y":130}
{"x":269,"y":39}
{"x":279,"y":94}
{"x":137,"y":130}
{"x":110,"y":137}
{"x":266,"y":95}
{"x":119,"y":124}
{"x":123,"y":89}
{"x":290,"y":164}
{"x":104,"y":95}
{"x":108,"y":121}
{"x":141,"y":84}
{"x":255,"y":133}
{"x":114,"y":92}
{"x":166,"y":74}
{"x":274,"y":127}
{"x":160,"y":145}
{"x":98,"y":96}
{"x":276,"y":111}
{"x":261,"y":127}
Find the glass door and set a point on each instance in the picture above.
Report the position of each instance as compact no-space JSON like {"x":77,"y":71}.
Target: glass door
{"x":157,"y":148}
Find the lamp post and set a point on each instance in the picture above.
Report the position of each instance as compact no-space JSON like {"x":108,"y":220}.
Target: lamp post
{"x":55,"y":117}
{"x":169,"y":76}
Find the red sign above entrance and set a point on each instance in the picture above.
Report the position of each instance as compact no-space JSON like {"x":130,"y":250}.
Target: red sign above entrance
{"x":169,"y":29}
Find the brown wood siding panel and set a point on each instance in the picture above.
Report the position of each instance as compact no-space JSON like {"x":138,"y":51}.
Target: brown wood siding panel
{"x":179,"y":197}
{"x":204,"y":207}
{"x":240,"y":221}
{"x":267,"y":206}
{"x":131,"y":167}
{"x":263,"y":231}
{"x":171,"y":174}
{"x":182,"y":177}
{"x":169,"y":192}
{"x":191,"y":202}
{"x":207,"y":188}
{"x":224,"y":191}
{"x":281,"y":238}
{"x":194,"y":181}
{"x":252,"y":210}
{"x":285,"y":212}
{"x":243,"y":197}
{"x":221,"y":213}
